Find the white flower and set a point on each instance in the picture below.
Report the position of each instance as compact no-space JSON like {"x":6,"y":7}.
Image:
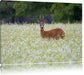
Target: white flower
{"x":69,"y":51}
{"x":44,"y":56}
{"x":18,"y":49}
{"x":60,"y":50}
{"x":28,"y":51}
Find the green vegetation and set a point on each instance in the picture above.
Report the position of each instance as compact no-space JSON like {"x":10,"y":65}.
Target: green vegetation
{"x":61,"y":12}
{"x":22,"y":44}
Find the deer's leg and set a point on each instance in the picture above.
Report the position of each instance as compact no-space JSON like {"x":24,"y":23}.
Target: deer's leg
{"x":56,"y":38}
{"x":48,"y":38}
{"x":62,"y":36}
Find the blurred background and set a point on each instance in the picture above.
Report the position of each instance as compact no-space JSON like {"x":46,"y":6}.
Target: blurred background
{"x":21,"y":12}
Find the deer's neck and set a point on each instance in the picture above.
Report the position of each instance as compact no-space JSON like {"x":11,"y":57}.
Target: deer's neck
{"x":42,"y":32}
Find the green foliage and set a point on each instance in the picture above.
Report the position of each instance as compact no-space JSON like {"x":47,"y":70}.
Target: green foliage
{"x":66,"y":12}
{"x":23,"y":44}
{"x":61,"y":12}
{"x":6,"y":9}
{"x":22,"y":8}
{"x":30,"y":8}
{"x":74,"y":12}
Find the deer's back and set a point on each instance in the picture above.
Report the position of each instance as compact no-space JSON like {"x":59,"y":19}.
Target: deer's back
{"x":55,"y":32}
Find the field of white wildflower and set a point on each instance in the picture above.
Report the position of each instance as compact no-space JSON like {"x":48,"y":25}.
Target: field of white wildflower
{"x":22,"y":44}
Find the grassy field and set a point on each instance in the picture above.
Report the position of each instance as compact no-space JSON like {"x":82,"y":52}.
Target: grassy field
{"x":22,"y":44}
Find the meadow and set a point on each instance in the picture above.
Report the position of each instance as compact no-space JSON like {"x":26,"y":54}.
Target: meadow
{"x":23,"y":44}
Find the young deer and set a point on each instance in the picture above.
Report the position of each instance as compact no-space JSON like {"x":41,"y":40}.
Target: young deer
{"x":54,"y":33}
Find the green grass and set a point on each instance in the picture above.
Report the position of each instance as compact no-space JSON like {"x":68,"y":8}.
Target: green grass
{"x":22,"y":44}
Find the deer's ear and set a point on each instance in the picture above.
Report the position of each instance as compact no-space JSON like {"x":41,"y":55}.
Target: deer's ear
{"x":38,"y":21}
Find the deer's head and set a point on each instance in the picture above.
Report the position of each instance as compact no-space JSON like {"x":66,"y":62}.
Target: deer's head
{"x":41,"y":22}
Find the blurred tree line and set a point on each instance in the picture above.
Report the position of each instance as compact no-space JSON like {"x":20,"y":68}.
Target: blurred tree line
{"x":57,"y":12}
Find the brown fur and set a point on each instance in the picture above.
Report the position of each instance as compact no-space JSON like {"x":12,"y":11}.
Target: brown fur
{"x":54,"y":33}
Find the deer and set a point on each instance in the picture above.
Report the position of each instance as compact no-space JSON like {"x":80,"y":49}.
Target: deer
{"x":53,"y":33}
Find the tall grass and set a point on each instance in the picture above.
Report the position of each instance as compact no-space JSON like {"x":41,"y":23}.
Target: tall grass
{"x":22,"y":44}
